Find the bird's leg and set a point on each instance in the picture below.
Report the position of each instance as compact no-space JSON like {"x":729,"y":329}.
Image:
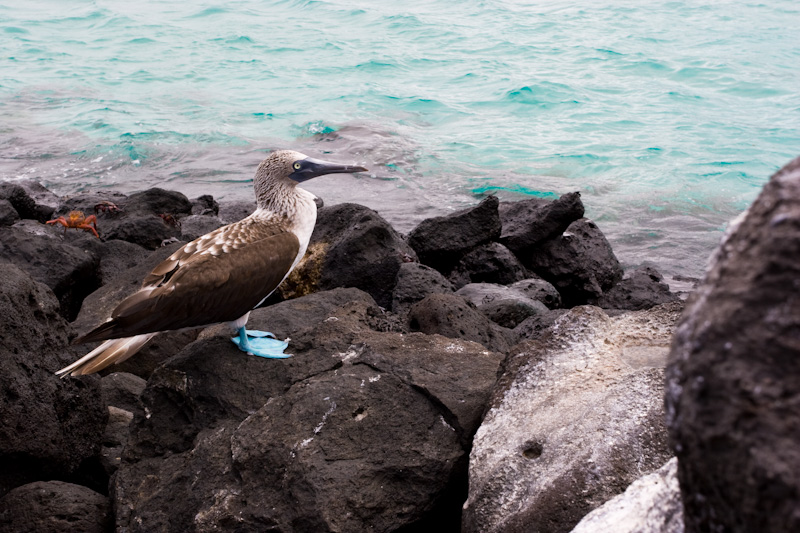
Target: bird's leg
{"x":261,"y":343}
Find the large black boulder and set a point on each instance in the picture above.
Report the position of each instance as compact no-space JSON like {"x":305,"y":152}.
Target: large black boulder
{"x":733,"y":379}
{"x":352,"y":246}
{"x":641,"y":289}
{"x":415,"y":281}
{"x":450,"y":315}
{"x":359,"y":430}
{"x":71,"y":272}
{"x":54,"y":507}
{"x":8,"y":215}
{"x":533,"y":221}
{"x":579,"y":263}
{"x":136,"y":218}
{"x":440,"y":242}
{"x":488,"y":263}
{"x":48,"y":426}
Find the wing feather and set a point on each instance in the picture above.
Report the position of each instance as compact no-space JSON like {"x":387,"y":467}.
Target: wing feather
{"x":208,"y":281}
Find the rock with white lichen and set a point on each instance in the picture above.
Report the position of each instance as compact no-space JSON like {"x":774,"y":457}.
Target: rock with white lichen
{"x":577,"y":416}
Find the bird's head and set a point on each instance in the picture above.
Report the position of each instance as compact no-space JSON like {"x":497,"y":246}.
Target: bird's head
{"x":288,"y":165}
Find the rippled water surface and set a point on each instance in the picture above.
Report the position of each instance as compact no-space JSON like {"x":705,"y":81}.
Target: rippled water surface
{"x":667,"y":117}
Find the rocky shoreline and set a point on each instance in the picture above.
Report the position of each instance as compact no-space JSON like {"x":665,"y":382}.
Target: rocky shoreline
{"x":493,"y":370}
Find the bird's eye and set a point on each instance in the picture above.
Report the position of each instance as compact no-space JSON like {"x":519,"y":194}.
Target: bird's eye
{"x":296,"y":166}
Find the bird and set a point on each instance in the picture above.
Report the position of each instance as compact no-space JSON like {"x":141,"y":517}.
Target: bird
{"x":223,"y":275}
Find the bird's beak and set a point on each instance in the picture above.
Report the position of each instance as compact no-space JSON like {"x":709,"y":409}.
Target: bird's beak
{"x":311,"y":168}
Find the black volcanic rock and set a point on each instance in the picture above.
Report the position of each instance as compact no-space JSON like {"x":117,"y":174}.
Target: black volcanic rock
{"x":580,"y":263}
{"x":54,"y":507}
{"x":450,"y":315}
{"x":440,"y":242}
{"x":642,"y":289}
{"x":48,"y":427}
{"x":19,"y":199}
{"x":415,"y":281}
{"x":488,"y":263}
{"x":8,"y":215}
{"x":352,"y":246}
{"x":733,"y":379}
{"x":385,"y":418}
{"x":72,"y":273}
{"x":530,"y":222}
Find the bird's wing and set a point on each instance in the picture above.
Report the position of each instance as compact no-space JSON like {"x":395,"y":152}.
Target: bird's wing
{"x":218,"y":284}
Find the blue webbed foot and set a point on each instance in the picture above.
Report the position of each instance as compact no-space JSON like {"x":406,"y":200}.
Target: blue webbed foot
{"x":261,"y":343}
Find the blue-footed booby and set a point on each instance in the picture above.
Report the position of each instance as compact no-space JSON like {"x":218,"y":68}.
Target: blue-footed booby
{"x":223,"y":275}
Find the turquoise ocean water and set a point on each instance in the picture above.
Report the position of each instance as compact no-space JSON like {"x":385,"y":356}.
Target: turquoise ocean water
{"x":667,"y":117}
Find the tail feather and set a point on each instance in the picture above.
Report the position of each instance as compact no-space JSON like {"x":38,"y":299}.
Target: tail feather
{"x":110,"y":352}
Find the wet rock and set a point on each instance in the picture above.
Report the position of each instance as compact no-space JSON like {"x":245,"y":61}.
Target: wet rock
{"x":205,"y":205}
{"x":48,"y":427}
{"x":8,"y":215}
{"x":530,"y":222}
{"x":415,"y":281}
{"x":452,"y":316}
{"x":536,"y":325}
{"x":70,"y":272}
{"x":734,"y":374}
{"x":440,"y":242}
{"x":195,"y":226}
{"x":502,"y":305}
{"x":576,"y":417}
{"x":488,"y":263}
{"x":580,"y":263}
{"x":54,"y":507}
{"x":642,"y":289}
{"x":539,"y":289}
{"x":352,"y":246}
{"x":652,"y":504}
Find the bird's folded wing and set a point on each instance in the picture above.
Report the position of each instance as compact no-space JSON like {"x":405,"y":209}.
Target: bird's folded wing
{"x":220,"y":284}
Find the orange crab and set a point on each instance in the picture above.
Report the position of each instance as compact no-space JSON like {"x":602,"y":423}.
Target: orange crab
{"x":77,"y":220}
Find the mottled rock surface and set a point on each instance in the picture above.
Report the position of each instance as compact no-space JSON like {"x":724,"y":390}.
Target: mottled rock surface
{"x":577,"y":416}
{"x":641,"y":289}
{"x":361,"y":430}
{"x":48,"y":427}
{"x":440,"y":242}
{"x":530,"y":222}
{"x":733,"y":381}
{"x":579,"y":263}
{"x":415,"y":281}
{"x":452,"y":316}
{"x":652,"y":504}
{"x":54,"y":507}
{"x":71,"y":272}
{"x":488,"y":263}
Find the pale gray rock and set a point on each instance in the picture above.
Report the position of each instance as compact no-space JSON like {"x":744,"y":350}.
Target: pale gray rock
{"x":539,"y":289}
{"x":652,"y":504}
{"x":576,"y":417}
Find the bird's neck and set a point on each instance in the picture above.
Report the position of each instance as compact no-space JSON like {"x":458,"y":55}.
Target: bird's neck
{"x":284,"y":201}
